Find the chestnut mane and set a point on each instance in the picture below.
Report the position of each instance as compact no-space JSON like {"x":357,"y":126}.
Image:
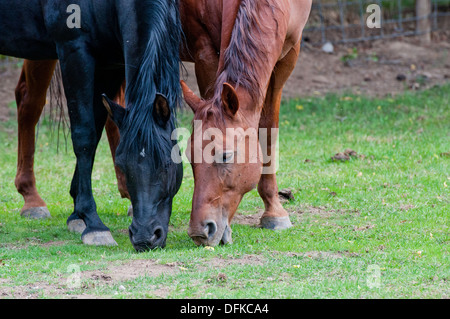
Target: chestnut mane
{"x":245,"y":58}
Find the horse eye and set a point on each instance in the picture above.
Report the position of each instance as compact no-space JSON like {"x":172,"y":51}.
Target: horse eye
{"x":227,"y":157}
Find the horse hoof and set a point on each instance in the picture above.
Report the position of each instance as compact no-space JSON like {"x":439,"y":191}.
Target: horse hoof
{"x":36,"y":213}
{"x":99,"y":238}
{"x":276,"y":223}
{"x":130,"y":210}
{"x":76,"y":225}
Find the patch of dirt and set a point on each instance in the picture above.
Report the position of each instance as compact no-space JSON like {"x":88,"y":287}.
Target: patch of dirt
{"x":346,"y":155}
{"x":321,"y":211}
{"x":378,"y":68}
{"x":407,"y":207}
{"x":217,"y":263}
{"x":363,"y":228}
{"x":30,"y":291}
{"x":132,"y":270}
{"x":113,"y":275}
{"x":297,"y":213}
{"x":248,"y":220}
{"x":318,"y":255}
{"x":33,"y":241}
{"x":117,"y":273}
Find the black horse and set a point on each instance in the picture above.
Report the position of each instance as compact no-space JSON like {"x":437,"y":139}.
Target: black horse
{"x":99,"y":43}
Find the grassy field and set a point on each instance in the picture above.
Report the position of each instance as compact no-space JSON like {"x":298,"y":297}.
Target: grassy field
{"x":375,"y":226}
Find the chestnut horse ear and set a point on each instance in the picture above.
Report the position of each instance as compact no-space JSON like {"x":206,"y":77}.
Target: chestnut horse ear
{"x":230,"y":99}
{"x":115,"y":111}
{"x":191,"y":99}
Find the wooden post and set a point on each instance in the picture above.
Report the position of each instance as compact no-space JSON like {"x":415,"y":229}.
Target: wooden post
{"x":423,"y":24}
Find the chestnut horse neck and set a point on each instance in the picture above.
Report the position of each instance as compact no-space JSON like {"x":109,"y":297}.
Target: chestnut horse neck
{"x":248,"y":61}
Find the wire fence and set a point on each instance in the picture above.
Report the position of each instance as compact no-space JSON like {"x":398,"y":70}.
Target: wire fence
{"x":345,"y":21}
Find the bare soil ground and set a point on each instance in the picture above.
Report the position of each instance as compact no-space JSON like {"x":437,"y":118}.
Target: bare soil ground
{"x":114,"y":274}
{"x":120,"y":272}
{"x":377,"y":68}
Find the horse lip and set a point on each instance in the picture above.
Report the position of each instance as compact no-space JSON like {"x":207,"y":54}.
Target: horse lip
{"x":192,"y":235}
{"x":226,"y":236}
{"x":143,"y":245}
{"x":219,"y":238}
{"x":201,"y":238}
{"x":198,"y":238}
{"x":196,"y":234}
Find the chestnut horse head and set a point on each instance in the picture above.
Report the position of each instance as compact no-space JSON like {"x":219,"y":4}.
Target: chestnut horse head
{"x":226,"y":148}
{"x":223,"y":151}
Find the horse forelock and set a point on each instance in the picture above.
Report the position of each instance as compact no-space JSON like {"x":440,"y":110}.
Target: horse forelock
{"x":158,"y":72}
{"x":211,"y":114}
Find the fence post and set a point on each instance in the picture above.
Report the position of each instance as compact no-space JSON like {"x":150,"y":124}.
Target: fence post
{"x":423,"y":24}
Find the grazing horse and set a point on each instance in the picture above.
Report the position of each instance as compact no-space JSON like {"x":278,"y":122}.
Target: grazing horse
{"x":244,"y":52}
{"x":245,"y":95}
{"x":135,"y":40}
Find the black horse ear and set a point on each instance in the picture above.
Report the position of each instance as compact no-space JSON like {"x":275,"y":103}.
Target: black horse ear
{"x":161,"y":109}
{"x":115,"y":111}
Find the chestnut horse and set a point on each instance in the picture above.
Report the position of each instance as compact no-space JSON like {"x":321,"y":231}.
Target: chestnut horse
{"x":30,"y":99}
{"x":244,"y":51}
{"x":246,"y":95}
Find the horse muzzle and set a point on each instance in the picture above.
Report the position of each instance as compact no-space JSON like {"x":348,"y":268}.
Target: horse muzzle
{"x":147,"y":239}
{"x":211,"y":233}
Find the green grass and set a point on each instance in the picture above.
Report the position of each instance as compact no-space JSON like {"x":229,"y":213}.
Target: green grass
{"x":388,"y":209}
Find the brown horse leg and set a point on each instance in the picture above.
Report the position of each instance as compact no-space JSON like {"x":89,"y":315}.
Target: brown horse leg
{"x":275,"y":216}
{"x":112,"y":132}
{"x":30,"y":98}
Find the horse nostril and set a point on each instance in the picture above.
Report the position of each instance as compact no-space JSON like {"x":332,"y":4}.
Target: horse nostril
{"x":147,"y":240}
{"x":210,"y":228}
{"x":157,"y":235}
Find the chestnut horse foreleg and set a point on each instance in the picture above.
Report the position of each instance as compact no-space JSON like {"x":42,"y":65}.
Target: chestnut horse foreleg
{"x":112,"y":132}
{"x":30,"y":98}
{"x":275,"y":216}
{"x":31,"y":93}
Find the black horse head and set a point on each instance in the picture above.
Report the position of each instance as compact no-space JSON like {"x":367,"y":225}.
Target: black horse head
{"x":152,"y":96}
{"x":153,"y":178}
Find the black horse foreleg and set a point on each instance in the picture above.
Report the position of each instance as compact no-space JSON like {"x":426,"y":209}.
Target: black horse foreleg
{"x":87,"y":122}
